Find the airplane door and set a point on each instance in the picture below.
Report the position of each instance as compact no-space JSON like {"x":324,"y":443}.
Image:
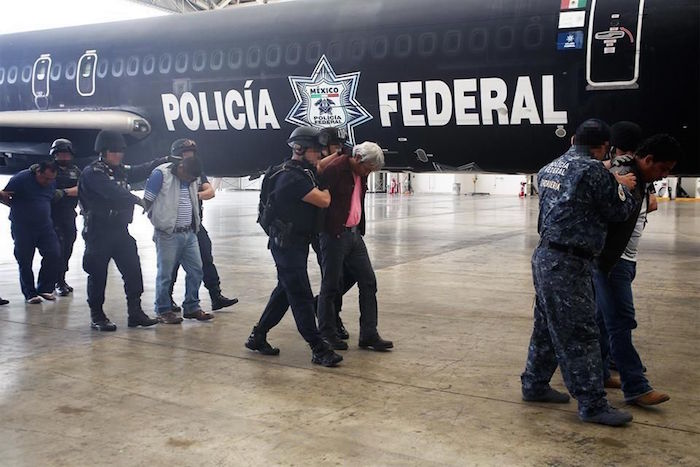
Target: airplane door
{"x":613,"y":49}
{"x":40,"y":81}
{"x":85,"y":77}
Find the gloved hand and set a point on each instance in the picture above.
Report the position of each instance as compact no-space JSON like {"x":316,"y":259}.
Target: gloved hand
{"x":625,"y":159}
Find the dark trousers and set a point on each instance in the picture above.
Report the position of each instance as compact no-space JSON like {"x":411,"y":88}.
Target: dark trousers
{"x":293,"y":288}
{"x":66,"y":233}
{"x":211,"y":276}
{"x":616,"y":320}
{"x":348,"y":280}
{"x":28,"y":239}
{"x":100,"y":247}
{"x":347,"y":249}
{"x":565,"y":330}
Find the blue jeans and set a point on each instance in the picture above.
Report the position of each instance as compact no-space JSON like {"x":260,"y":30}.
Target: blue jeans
{"x":177,"y":248}
{"x":615,"y":316}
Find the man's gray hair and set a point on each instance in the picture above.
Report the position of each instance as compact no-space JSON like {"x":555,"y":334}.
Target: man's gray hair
{"x":369,"y":153}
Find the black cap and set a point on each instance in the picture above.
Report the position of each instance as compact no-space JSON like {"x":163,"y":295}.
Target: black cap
{"x":182,"y":145}
{"x":625,"y":136}
{"x":111,"y":141}
{"x":61,"y":145}
{"x":592,"y":132}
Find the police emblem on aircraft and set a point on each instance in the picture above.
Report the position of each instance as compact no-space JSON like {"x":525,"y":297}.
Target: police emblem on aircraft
{"x":325,"y":99}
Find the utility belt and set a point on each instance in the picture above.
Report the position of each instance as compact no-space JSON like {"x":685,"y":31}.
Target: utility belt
{"x":572,"y":250}
{"x":282,"y":235}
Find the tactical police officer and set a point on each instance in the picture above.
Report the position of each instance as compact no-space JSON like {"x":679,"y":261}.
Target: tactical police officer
{"x":63,"y":208}
{"x":187,"y":148}
{"x":578,"y":197}
{"x":108,"y":207}
{"x":289,"y":216}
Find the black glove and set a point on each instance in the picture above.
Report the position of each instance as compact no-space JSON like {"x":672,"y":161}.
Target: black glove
{"x":625,"y":159}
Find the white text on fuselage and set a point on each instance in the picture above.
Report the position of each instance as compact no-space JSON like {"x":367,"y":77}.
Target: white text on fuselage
{"x":436,"y":103}
{"x":219,"y":111}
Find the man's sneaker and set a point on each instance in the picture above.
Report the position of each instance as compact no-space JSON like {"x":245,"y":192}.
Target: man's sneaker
{"x":3,"y":301}
{"x":103,"y":325}
{"x":62,"y":290}
{"x":342,"y":332}
{"x":258,"y":341}
{"x":548,"y":395}
{"x":650,"y":398}
{"x":335,"y":343}
{"x":169,"y":318}
{"x":35,"y":300}
{"x":141,"y":319}
{"x":375,"y":342}
{"x":610,"y":416}
{"x":218,"y":301}
{"x":613,"y":382}
{"x":199,"y":315}
{"x":322,"y":355}
{"x":48,"y":296}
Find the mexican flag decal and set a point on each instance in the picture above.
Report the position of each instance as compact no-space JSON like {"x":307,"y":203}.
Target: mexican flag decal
{"x":572,"y":4}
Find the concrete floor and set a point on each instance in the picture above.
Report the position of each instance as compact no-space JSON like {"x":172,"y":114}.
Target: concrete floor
{"x":455,"y":295}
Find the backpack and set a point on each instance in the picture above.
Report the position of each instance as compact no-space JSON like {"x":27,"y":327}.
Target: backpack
{"x":266,"y":205}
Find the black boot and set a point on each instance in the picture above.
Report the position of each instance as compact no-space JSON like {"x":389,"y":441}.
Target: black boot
{"x":375,"y":342}
{"x":335,"y":343}
{"x":136,"y":315}
{"x":321,"y":354}
{"x":100,"y":322}
{"x":218,"y":301}
{"x":342,"y":333}
{"x":258,"y":341}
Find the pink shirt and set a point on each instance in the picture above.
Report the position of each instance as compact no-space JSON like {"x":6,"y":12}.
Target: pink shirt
{"x":355,"y":205}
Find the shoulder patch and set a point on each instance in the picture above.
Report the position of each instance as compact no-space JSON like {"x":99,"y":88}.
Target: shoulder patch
{"x":621,"y":192}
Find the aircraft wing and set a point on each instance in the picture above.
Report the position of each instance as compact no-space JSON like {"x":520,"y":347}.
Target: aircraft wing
{"x":122,"y":121}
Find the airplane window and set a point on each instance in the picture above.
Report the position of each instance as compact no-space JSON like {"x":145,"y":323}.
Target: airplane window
{"x":102,"y":68}
{"x":293,"y":54}
{"x":427,"y":44}
{"x":12,"y":75}
{"x":181,"y":62}
{"x":87,"y":70}
{"x":313,"y":52}
{"x":478,"y":40}
{"x":71,"y":70}
{"x":55,"y":72}
{"x":2,"y":75}
{"x":26,"y":74}
{"x":504,"y":37}
{"x":452,"y":42}
{"x":118,"y":67}
{"x":273,"y":55}
{"x":380,"y":47}
{"x":253,"y":57}
{"x":149,"y":64}
{"x":533,"y":36}
{"x":41,"y":71}
{"x":200,"y":60}
{"x":335,"y":51}
{"x":235,"y":58}
{"x":132,"y":66}
{"x":402,"y":46}
{"x":357,"y":49}
{"x":217,"y":60}
{"x":165,"y":63}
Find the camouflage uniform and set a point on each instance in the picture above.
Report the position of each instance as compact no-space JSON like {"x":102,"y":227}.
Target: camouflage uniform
{"x":578,"y":197}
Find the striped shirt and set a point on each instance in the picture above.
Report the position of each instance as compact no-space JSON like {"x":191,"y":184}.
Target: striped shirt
{"x":184,"y":205}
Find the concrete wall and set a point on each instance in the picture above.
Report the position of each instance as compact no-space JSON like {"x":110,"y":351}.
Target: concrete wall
{"x":493,"y":184}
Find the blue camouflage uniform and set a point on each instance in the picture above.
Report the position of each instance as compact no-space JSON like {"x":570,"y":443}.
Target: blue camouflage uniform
{"x":578,"y":197}
{"x":108,"y":207}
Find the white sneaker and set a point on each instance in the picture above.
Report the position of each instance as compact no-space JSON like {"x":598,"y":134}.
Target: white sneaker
{"x":48,"y":296}
{"x":34,"y":300}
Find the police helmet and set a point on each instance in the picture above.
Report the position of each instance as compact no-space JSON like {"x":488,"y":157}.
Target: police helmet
{"x":61,"y":145}
{"x":111,"y":141}
{"x":304,"y":136}
{"x":332,"y":135}
{"x":182,"y":145}
{"x":625,"y":136}
{"x":592,"y":132}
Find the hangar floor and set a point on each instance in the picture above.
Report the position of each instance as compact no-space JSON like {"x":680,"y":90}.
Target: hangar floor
{"x":455,"y":295}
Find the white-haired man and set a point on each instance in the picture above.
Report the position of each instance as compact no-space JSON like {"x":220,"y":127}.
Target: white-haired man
{"x":342,"y":243}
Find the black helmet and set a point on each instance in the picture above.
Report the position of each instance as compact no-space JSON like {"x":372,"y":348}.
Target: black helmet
{"x":61,"y":145}
{"x":304,"y":136}
{"x":181,"y":145}
{"x":333,"y":135}
{"x":109,"y":141}
{"x":592,"y":132}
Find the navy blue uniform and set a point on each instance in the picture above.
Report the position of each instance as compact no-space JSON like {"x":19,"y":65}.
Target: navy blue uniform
{"x":108,"y":207}
{"x":32,"y":229}
{"x":578,"y":197}
{"x":293,"y":287}
{"x":63,"y":215}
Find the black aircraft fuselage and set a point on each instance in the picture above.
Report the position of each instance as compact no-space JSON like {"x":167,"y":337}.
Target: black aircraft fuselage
{"x":448,"y":85}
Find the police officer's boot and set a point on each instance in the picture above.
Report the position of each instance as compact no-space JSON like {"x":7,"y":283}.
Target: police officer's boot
{"x":258,"y":341}
{"x":342,"y":333}
{"x":100,"y":321}
{"x":321,"y":354}
{"x":136,"y":315}
{"x":218,"y":301}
